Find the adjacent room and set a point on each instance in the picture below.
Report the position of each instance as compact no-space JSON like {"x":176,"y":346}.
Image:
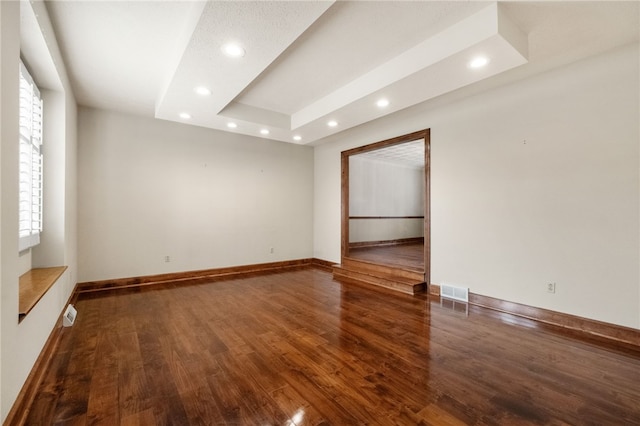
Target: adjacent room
{"x":319,"y":212}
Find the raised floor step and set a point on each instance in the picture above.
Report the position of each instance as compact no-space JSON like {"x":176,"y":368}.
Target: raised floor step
{"x":379,"y":270}
{"x":408,"y":282}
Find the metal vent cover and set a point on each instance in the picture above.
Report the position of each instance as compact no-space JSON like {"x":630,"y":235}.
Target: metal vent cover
{"x":454,"y":292}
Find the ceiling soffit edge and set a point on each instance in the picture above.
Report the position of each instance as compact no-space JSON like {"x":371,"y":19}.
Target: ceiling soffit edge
{"x":435,"y":66}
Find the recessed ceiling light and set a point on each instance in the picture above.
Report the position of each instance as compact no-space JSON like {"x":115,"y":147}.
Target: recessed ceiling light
{"x":479,"y":62}
{"x":233,"y":50}
{"x":297,"y":138}
{"x":382,"y":103}
{"x":332,"y":123}
{"x":232,"y":125}
{"x":264,"y":132}
{"x":203,"y":91}
{"x":185,"y":115}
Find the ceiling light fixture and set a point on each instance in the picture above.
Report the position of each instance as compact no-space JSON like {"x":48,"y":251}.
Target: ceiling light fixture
{"x":297,"y":138}
{"x":332,"y":123}
{"x":202,"y":91}
{"x":233,"y":50}
{"x":479,"y":62}
{"x":264,"y":132}
{"x":382,"y":103}
{"x":185,"y":115}
{"x":232,"y":125}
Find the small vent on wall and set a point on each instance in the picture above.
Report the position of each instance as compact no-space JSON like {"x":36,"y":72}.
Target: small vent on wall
{"x":453,"y":292}
{"x":69,"y":316}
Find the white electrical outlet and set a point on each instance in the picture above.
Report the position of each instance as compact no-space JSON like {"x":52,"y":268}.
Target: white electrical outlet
{"x":551,"y":287}
{"x":167,"y":259}
{"x":271,"y":250}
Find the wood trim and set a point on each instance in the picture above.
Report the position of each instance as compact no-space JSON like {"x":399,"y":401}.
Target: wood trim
{"x":344,"y":183}
{"x":21,"y":406}
{"x":427,"y":206}
{"x":383,"y":243}
{"x":344,"y":204}
{"x":375,"y":282}
{"x":584,"y":325}
{"x":325,"y":265}
{"x":34,"y":284}
{"x":20,"y":409}
{"x":593,"y":328}
{"x":386,"y":217}
{"x":377,"y":269}
{"x":191,"y":276}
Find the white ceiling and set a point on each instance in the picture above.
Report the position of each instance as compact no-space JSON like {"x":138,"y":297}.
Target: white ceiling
{"x":308,"y":62}
{"x":409,"y":154}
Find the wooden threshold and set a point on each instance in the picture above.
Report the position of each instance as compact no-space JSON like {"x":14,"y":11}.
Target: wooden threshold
{"x":370,"y":273}
{"x":385,"y":243}
{"x":34,"y":284}
{"x":594,"y":328}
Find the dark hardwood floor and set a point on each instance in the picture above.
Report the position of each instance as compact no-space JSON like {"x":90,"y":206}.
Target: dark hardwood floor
{"x":410,"y":256}
{"x":298,"y":348}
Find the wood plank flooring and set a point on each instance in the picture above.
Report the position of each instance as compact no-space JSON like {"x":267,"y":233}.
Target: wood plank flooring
{"x":296,"y":348}
{"x":410,"y":256}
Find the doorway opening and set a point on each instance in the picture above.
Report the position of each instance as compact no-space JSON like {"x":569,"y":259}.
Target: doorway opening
{"x":385,"y":224}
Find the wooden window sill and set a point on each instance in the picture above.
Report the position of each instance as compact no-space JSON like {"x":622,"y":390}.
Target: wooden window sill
{"x":34,"y":284}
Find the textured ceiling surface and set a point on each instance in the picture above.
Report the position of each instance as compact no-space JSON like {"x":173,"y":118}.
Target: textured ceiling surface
{"x":409,"y":154}
{"x":338,"y":48}
{"x":310,"y":62}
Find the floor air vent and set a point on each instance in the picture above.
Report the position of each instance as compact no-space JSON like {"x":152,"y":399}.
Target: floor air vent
{"x":69,"y":316}
{"x":453,"y":292}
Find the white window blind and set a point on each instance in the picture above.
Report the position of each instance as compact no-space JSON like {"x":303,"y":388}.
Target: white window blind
{"x":30,"y":214}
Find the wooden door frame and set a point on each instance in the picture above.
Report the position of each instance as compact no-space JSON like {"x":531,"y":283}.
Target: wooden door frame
{"x":344,"y":236}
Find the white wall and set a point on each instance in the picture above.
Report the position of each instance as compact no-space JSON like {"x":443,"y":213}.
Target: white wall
{"x":21,"y":343}
{"x":534,"y":182}
{"x":379,"y":188}
{"x":377,"y":230}
{"x":383,"y":188}
{"x":9,"y":51}
{"x":150,"y":188}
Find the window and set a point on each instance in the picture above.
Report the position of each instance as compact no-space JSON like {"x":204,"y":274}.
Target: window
{"x":30,"y":214}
